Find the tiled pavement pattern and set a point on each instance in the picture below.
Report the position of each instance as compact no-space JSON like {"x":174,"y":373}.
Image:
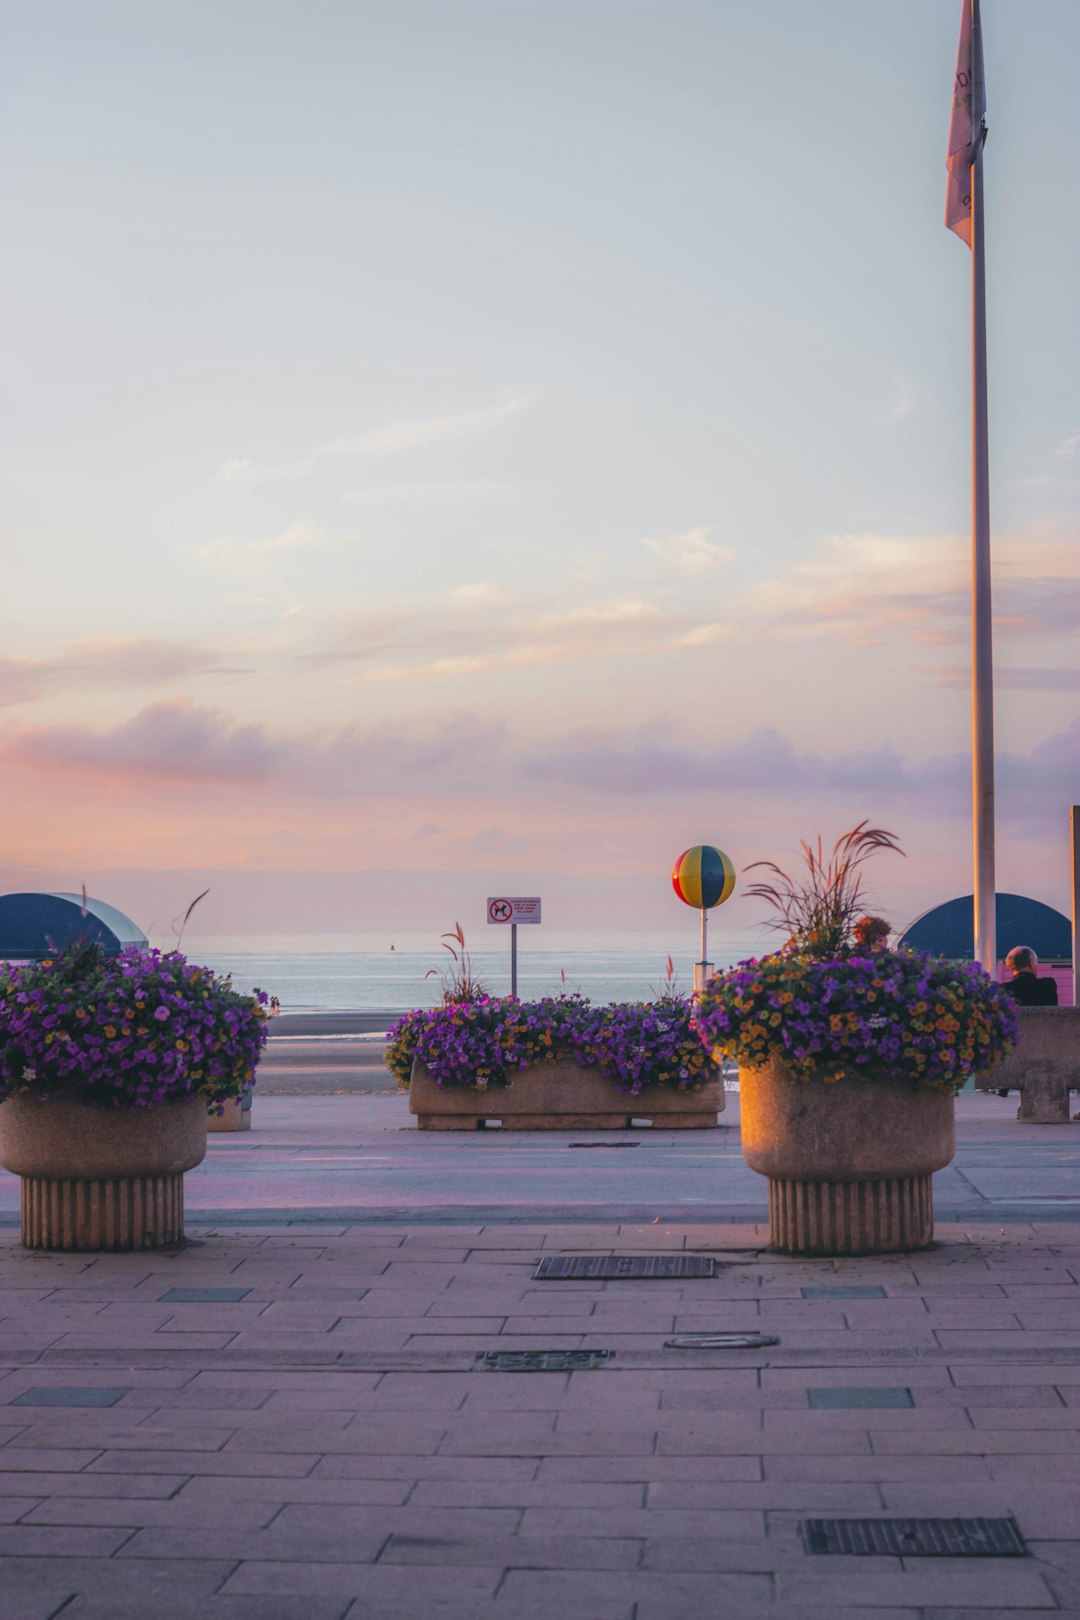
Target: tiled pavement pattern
{"x":291,"y":1424}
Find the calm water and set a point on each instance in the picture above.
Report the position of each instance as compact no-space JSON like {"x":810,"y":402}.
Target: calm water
{"x":396,"y":979}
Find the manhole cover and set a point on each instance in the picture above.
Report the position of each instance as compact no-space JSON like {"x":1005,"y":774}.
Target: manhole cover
{"x":915,"y":1538}
{"x":544,"y":1360}
{"x":616,"y":1267}
{"x":721,"y":1341}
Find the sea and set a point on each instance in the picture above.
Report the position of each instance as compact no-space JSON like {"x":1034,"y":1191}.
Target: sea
{"x":395,"y":980}
{"x":310,"y":975}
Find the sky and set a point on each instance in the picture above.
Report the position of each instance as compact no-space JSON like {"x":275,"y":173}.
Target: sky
{"x":452,"y":449}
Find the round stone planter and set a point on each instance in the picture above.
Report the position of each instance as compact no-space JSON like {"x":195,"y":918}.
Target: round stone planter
{"x":849,"y":1165}
{"x":101,"y":1178}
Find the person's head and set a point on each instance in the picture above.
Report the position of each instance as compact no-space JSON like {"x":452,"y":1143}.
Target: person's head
{"x":1022,"y":959}
{"x":871,"y":933}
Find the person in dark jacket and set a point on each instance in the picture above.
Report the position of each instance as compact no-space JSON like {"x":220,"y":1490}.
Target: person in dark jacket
{"x":1025,"y":984}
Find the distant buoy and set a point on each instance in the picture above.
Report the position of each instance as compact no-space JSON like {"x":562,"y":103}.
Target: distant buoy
{"x":703,"y":877}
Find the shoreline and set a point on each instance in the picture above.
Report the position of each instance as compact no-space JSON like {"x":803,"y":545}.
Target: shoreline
{"x":319,"y":1022}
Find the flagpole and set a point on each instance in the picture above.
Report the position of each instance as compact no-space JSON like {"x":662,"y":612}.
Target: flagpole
{"x":982,"y":651}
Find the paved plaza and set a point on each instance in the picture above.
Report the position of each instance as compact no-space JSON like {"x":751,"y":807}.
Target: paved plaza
{"x":291,"y":1417}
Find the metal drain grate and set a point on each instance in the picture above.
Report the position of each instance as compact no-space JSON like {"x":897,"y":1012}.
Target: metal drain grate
{"x":915,"y":1538}
{"x":721,"y":1341}
{"x":616,"y":1267}
{"x":544,"y":1360}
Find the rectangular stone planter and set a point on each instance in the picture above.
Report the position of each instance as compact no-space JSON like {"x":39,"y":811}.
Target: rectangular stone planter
{"x":235,"y":1118}
{"x":1044,"y":1067}
{"x":560,"y":1096}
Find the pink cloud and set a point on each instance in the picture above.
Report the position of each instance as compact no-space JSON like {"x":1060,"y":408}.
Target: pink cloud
{"x":171,"y":740}
{"x":638,"y":763}
{"x":177,"y":740}
{"x":105,"y":662}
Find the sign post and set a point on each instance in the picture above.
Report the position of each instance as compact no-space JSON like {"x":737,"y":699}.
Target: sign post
{"x":510,"y":910}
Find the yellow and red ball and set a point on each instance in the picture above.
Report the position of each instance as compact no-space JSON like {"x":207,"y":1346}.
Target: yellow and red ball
{"x":703,"y":877}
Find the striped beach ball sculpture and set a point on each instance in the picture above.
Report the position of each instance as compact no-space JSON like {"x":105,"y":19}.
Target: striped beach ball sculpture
{"x":703,"y":877}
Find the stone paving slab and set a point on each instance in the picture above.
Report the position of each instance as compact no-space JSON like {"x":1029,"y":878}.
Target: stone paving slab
{"x":249,"y":1467}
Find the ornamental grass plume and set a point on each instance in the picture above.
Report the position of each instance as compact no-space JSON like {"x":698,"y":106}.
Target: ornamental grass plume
{"x":134,"y":1030}
{"x":818,"y":911}
{"x":459,"y":982}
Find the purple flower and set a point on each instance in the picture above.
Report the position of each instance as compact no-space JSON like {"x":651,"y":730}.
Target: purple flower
{"x":487,"y":1042}
{"x":893,"y":1013}
{"x":87,"y":1021}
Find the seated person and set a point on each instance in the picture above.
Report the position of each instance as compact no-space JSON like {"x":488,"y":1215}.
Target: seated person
{"x":1025,"y":984}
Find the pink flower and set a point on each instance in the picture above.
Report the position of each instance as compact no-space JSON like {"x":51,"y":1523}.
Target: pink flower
{"x":161,"y":1013}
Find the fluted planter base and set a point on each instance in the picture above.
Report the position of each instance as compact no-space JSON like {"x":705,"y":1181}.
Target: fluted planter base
{"x":101,"y":1179}
{"x":851,"y":1217}
{"x":128,"y":1212}
{"x":849,"y":1165}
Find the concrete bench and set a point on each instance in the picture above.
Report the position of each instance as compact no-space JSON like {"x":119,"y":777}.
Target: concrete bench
{"x":1044,"y":1066}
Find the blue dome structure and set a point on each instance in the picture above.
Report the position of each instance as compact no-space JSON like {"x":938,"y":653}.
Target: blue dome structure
{"x":33,"y":926}
{"x":949,"y":930}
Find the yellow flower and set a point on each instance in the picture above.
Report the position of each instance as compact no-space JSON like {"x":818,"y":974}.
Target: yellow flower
{"x":110,"y":1031}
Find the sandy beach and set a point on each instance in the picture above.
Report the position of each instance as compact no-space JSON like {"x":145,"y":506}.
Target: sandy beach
{"x":326,"y":1053}
{"x":339,"y":1021}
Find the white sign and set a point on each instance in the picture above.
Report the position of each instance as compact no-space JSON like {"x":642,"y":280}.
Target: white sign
{"x":513,"y":908}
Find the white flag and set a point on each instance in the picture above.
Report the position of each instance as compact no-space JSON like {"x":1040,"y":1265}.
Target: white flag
{"x":966,"y":123}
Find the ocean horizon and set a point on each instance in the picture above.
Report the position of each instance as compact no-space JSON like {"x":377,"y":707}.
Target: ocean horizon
{"x":314,"y":976}
{"x":324,"y":980}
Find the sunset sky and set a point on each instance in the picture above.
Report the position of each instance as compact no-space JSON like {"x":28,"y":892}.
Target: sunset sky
{"x":455,"y":446}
